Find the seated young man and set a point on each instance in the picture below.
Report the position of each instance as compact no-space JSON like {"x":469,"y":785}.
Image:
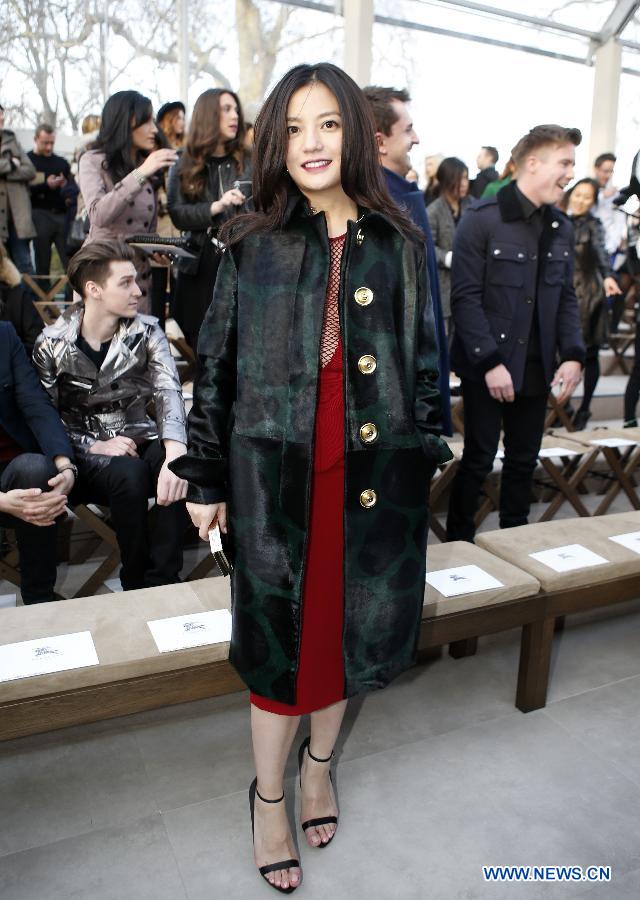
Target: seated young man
{"x":102,"y":364}
{"x":36,"y":471}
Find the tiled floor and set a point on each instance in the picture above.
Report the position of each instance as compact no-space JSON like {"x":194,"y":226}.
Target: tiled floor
{"x":436,"y":776}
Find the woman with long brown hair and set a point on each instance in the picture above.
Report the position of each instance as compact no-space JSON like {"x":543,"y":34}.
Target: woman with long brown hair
{"x":171,"y":121}
{"x":444,"y":214}
{"x":209,"y":184}
{"x":313,"y":437}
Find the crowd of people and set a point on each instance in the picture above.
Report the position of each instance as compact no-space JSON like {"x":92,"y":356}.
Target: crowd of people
{"x":134,"y":174}
{"x":329,"y":299}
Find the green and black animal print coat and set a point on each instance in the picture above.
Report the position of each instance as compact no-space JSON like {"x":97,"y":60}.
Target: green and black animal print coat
{"x":251,"y":440}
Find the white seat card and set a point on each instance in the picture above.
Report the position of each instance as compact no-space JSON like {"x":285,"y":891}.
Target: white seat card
{"x":195,"y":630}
{"x":462,"y":580}
{"x":48,"y":654}
{"x":631,"y":540}
{"x":568,"y":558}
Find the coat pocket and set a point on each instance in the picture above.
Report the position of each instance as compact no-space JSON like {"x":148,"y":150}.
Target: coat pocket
{"x":555,"y":264}
{"x":506,"y":264}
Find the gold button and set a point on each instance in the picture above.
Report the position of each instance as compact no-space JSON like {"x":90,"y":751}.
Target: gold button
{"x":363,"y":296}
{"x":368,"y":433}
{"x":367,"y":364}
{"x":368,"y":498}
{"x":360,"y":237}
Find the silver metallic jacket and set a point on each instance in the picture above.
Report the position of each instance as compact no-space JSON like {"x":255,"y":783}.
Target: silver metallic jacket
{"x":98,"y":404}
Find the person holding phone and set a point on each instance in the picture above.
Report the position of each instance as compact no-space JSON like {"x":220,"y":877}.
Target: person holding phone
{"x":120,"y":175}
{"x":209,"y":184}
{"x":53,"y":192}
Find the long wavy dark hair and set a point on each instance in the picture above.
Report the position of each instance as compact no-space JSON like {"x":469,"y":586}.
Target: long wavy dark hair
{"x":203,"y":139}
{"x":360,"y":172}
{"x":123,"y":112}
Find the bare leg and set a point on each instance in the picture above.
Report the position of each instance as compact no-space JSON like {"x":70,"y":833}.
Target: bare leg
{"x":318,"y":798}
{"x":272,"y":738}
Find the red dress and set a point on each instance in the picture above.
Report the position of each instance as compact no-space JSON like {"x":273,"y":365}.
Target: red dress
{"x":320,"y":679}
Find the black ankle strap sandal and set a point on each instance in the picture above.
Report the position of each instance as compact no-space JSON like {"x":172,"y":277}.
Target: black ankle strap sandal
{"x":272,"y":867}
{"x":323,"y":820}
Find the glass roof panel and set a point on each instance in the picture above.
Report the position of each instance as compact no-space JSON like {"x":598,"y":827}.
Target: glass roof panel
{"x":632,"y":31}
{"x":432,"y":14}
{"x":584,"y":15}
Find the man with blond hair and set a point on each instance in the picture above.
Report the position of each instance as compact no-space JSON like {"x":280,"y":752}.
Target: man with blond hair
{"x":517,"y":326}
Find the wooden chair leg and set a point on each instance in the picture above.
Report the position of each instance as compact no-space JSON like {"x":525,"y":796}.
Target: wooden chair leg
{"x":8,"y":573}
{"x":202,"y":568}
{"x":465,"y":647}
{"x":535,"y":660}
{"x":96,"y":580}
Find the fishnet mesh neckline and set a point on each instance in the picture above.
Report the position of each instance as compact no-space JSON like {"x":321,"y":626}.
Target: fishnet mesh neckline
{"x":331,"y":323}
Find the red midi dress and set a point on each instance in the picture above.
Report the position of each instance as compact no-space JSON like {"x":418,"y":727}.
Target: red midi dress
{"x":320,"y":678}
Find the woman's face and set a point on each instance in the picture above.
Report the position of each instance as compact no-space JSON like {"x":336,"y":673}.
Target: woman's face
{"x":430,"y":167}
{"x":581,"y":200}
{"x":314,"y":125}
{"x":229,"y":118}
{"x":144,"y":136}
{"x":464,"y":185}
{"x":178,"y":122}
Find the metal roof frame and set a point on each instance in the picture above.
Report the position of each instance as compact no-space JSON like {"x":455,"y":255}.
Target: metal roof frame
{"x":618,"y":19}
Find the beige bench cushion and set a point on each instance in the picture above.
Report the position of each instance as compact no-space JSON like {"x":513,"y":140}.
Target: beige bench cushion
{"x":515,"y":545}
{"x":118,"y":623}
{"x":585,"y":437}
{"x":517,"y":584}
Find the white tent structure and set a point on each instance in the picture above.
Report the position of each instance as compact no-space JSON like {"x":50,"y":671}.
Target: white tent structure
{"x":597,"y":33}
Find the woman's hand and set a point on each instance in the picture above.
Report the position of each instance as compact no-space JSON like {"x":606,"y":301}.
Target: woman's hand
{"x":234,"y":197}
{"x":206,"y":515}
{"x":611,"y":287}
{"x":158,"y":159}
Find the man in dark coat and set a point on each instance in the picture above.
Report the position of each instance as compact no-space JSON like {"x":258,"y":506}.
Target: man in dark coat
{"x":36,"y":469}
{"x":515,"y":312}
{"x":396,"y":137}
{"x":486,"y":162}
{"x":53,"y":191}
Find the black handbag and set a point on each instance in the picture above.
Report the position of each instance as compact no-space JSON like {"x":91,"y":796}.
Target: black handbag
{"x":79,"y":230}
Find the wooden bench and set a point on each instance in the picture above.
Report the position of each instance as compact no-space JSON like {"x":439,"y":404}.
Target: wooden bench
{"x":459,"y":620}
{"x":134,"y":676}
{"x":621,"y":464}
{"x":564,"y":593}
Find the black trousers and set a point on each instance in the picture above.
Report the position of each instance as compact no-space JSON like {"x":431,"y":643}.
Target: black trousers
{"x":36,"y":544}
{"x":124,"y":485}
{"x":633,"y":385}
{"x":50,"y":229}
{"x":523,"y":422}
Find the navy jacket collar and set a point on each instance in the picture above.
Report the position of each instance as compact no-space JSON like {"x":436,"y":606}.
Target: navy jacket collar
{"x":511,"y":208}
{"x":397,"y":184}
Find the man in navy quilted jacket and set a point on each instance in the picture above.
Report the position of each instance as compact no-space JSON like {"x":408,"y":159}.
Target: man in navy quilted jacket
{"x":516,"y":323}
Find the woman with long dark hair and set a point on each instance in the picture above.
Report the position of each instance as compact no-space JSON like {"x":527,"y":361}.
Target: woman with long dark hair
{"x":593,"y":280}
{"x":208,"y":185}
{"x":444,"y":214}
{"x":120,"y":176}
{"x":313,"y":437}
